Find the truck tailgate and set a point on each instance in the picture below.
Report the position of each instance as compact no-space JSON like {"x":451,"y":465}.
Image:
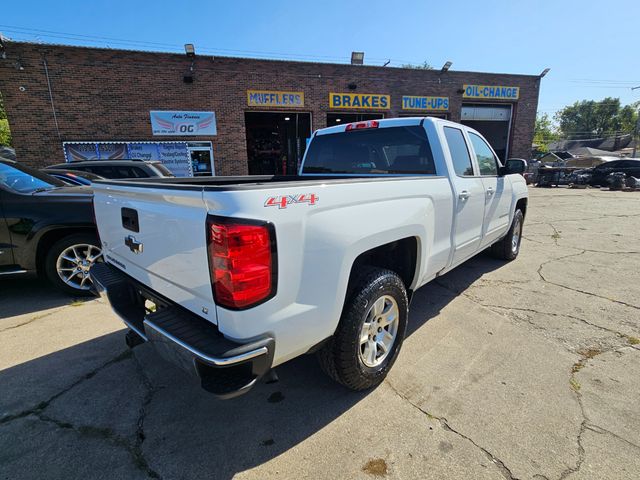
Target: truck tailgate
{"x":158,"y":237}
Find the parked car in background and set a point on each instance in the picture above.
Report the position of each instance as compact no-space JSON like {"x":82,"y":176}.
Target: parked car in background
{"x":46,"y":227}
{"x":117,"y":168}
{"x":600,"y":174}
{"x":73,"y":177}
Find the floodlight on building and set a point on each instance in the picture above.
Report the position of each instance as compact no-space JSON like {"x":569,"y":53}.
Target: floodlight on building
{"x":446,"y":66}
{"x":544,"y":72}
{"x":357,"y":58}
{"x":190,"y":50}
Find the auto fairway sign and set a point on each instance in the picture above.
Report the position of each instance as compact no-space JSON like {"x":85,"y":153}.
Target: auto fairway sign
{"x":183,"y":123}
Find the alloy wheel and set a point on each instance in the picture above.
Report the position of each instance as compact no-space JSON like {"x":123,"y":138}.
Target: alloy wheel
{"x":74,"y":264}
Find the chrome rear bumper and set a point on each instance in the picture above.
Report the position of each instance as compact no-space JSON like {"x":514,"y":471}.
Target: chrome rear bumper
{"x":225,"y":368}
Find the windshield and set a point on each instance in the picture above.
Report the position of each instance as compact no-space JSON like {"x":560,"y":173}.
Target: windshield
{"x":23,"y":179}
{"x":392,"y":150}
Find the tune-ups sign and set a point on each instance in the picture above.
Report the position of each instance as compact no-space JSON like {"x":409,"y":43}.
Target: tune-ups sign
{"x":183,"y":123}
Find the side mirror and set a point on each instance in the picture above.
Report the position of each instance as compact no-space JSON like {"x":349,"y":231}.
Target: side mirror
{"x":514,"y":165}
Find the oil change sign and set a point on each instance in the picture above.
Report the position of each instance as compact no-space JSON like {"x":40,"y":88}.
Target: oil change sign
{"x":491,"y":91}
{"x":359,"y":101}
{"x":268,"y":98}
{"x":425,"y":103}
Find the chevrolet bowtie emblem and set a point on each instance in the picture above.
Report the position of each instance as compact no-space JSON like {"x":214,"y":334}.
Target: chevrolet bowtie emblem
{"x":133,"y":244}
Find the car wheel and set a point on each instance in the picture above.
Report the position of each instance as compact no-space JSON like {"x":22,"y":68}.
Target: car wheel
{"x":68,"y":263}
{"x":370,"y":332}
{"x":509,"y":247}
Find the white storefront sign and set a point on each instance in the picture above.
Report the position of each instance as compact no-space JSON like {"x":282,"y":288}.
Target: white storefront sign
{"x":183,"y":123}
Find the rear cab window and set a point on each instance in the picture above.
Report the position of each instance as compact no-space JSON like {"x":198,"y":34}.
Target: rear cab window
{"x":391,"y":150}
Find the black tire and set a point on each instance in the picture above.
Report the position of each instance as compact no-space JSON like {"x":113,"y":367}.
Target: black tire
{"x":50,"y":262}
{"x":340,"y":357}
{"x":504,"y":249}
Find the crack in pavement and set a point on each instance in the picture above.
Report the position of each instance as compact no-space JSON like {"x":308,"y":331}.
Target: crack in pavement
{"x":575,"y":387}
{"x":107,"y":434}
{"x":44,"y":404}
{"x":553,"y":314}
{"x":140,"y":435}
{"x":31,"y":320}
{"x":504,"y":470}
{"x":586,"y":219}
{"x":577,"y":290}
{"x":603,"y":431}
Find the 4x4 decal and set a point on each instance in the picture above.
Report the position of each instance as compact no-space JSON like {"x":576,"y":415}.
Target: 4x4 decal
{"x":283,"y":201}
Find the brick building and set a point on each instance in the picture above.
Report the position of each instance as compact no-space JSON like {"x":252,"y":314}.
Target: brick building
{"x":74,"y":102}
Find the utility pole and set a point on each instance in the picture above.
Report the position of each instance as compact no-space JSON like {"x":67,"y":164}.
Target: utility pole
{"x":635,"y":131}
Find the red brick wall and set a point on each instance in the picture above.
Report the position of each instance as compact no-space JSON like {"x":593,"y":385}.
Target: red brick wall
{"x":102,"y":94}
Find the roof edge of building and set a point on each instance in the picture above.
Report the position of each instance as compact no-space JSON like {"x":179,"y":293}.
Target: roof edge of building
{"x":8,"y":41}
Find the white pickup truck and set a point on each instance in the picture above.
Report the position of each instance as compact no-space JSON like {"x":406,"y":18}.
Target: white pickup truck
{"x":229,"y":277}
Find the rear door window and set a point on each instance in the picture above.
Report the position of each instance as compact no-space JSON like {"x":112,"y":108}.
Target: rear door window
{"x":459,"y":152}
{"x":392,"y":150}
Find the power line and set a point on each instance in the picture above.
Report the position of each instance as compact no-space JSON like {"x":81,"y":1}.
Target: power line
{"x":149,"y":44}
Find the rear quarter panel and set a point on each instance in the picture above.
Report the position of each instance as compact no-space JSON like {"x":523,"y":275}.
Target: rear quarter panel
{"x":317,"y":245}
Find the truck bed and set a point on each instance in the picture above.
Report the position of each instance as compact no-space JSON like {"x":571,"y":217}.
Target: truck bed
{"x":254,"y":182}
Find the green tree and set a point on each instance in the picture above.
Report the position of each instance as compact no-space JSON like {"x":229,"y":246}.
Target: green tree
{"x":3,"y":114}
{"x":590,"y":118}
{"x":544,"y":132}
{"x":5,"y":133}
{"x":423,"y":66}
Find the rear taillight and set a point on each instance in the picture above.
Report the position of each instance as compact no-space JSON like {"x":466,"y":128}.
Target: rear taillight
{"x":242,"y":260}
{"x":362,"y":125}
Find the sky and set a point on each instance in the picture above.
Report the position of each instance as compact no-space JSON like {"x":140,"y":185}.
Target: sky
{"x":590,"y":46}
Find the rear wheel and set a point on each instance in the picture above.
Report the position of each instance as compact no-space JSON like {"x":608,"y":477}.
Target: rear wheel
{"x":68,"y":263}
{"x":509,"y":247}
{"x":370,"y":333}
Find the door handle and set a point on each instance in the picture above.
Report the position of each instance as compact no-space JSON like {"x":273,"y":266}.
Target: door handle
{"x":490,"y":191}
{"x":464,"y":194}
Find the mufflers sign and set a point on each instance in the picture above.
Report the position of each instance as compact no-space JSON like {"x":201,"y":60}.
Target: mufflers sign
{"x":359,"y":101}
{"x":183,"y":123}
{"x":269,"y":98}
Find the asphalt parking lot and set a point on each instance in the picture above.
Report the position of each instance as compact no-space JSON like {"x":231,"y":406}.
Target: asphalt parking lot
{"x":523,"y":370}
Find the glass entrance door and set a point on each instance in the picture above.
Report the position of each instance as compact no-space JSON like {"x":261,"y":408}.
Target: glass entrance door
{"x":201,"y":161}
{"x":276,"y":142}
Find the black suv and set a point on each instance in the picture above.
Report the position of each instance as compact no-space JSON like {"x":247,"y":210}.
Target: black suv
{"x":46,"y":227}
{"x":599,"y":174}
{"x":117,"y":168}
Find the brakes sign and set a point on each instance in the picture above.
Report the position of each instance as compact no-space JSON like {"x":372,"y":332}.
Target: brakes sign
{"x":283,"y":201}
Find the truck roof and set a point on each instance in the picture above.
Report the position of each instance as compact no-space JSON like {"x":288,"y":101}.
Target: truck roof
{"x":382,"y":123}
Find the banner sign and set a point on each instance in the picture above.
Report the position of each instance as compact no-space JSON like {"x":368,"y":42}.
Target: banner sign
{"x":175,"y":156}
{"x":425,"y":103}
{"x":492,"y":92}
{"x":113,"y":151}
{"x":359,"y":101}
{"x":143,"y":151}
{"x":183,"y":123}
{"x":77,"y":152}
{"x":268,"y":98}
